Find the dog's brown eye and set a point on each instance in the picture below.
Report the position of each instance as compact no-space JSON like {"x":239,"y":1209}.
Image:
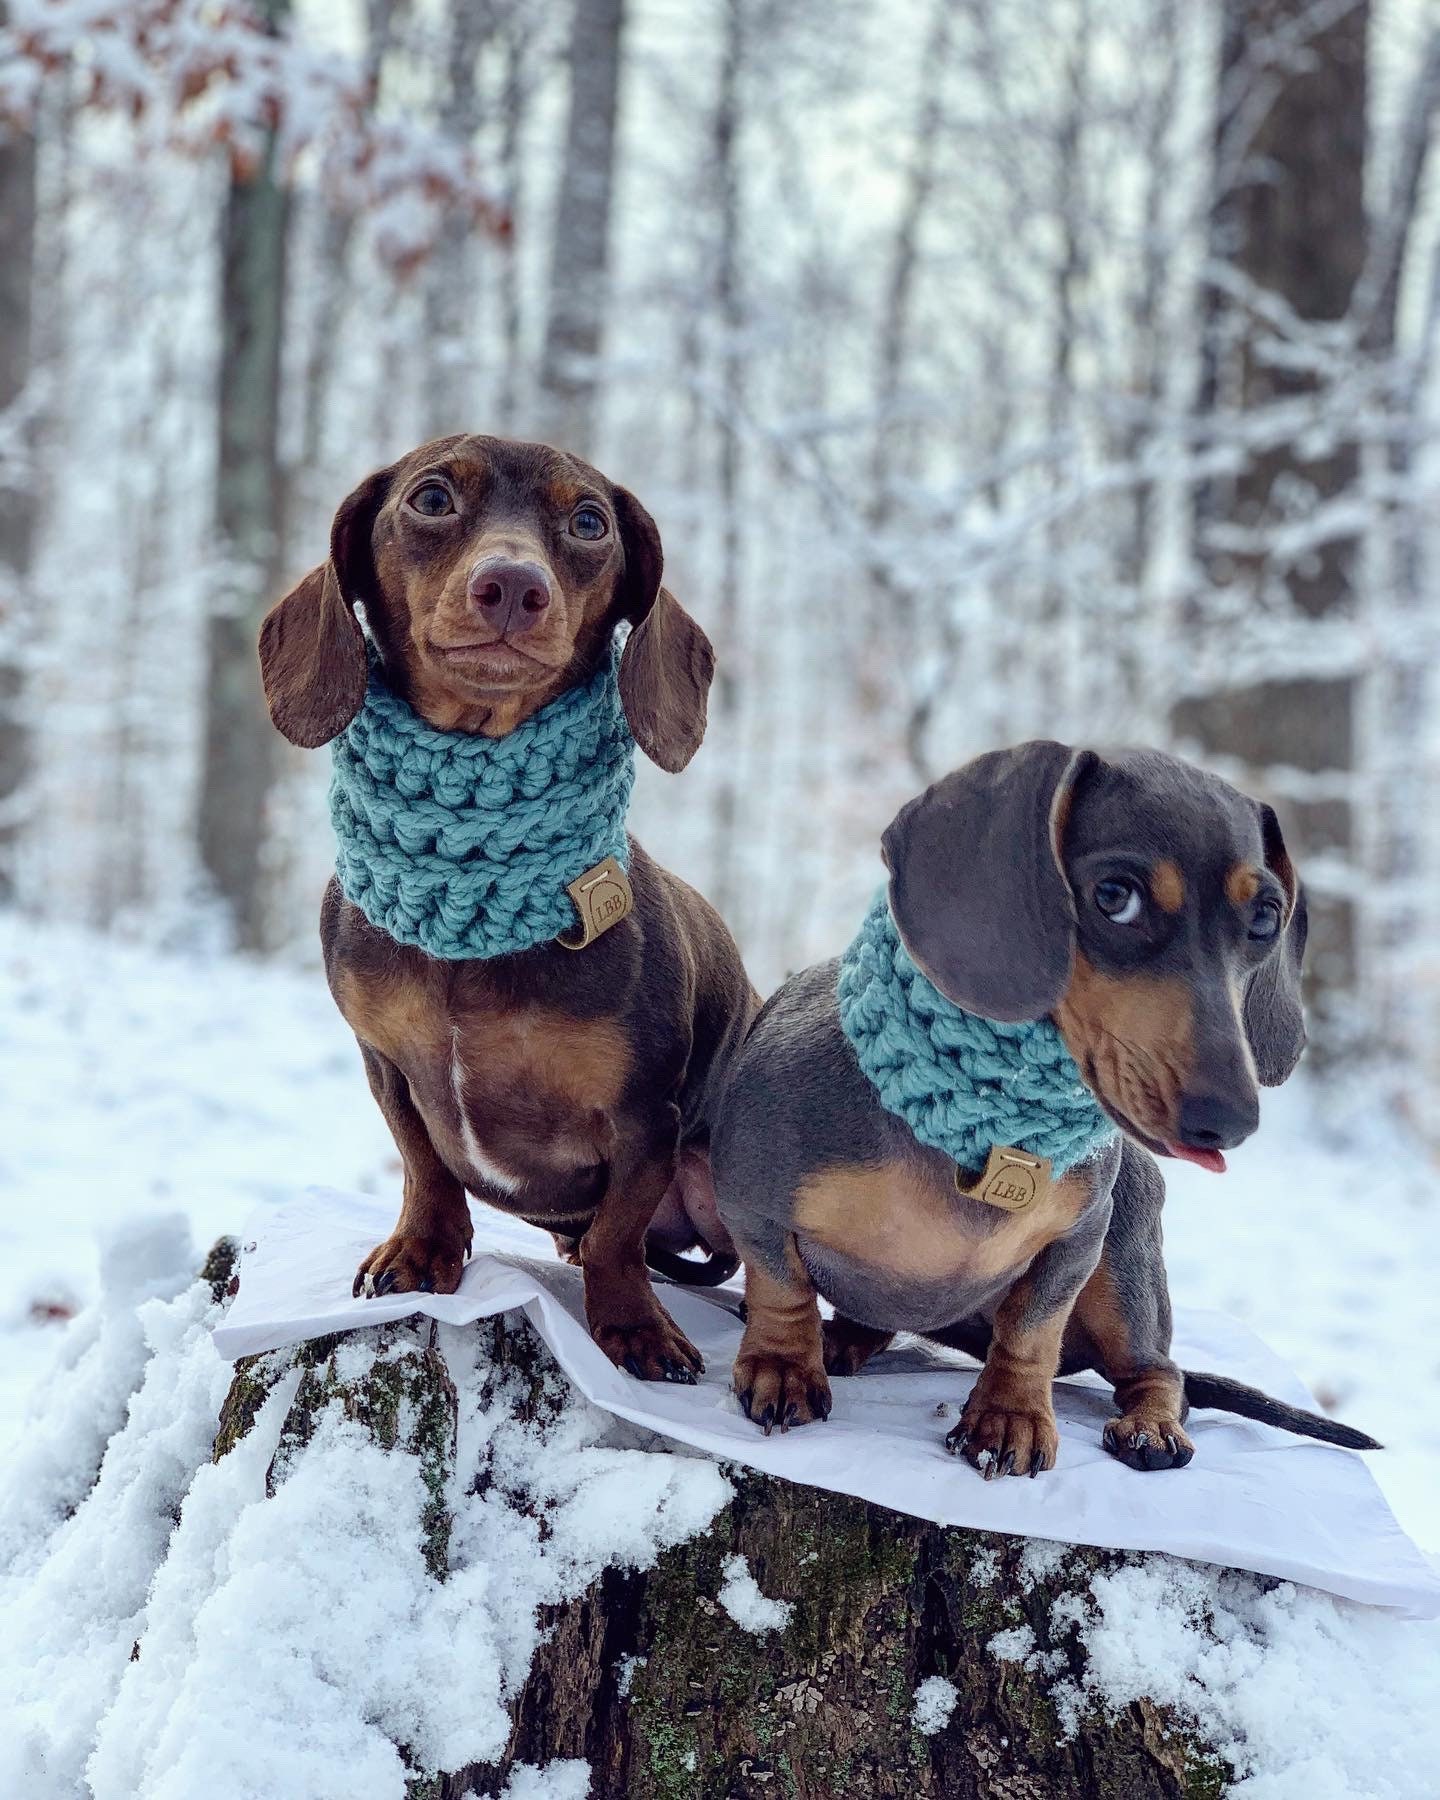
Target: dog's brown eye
{"x":1266,"y":923}
{"x":432,"y":500}
{"x":1119,"y":901}
{"x":588,"y":522}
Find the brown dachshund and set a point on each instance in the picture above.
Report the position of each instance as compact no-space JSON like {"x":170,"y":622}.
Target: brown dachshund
{"x":574,"y":1089}
{"x":1153,"y":913}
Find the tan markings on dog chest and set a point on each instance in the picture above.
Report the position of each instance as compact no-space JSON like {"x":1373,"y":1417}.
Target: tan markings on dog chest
{"x":897,"y":1218}
{"x":580,"y":1062}
{"x":395,"y":1015}
{"x":1242,"y":884}
{"x":1133,"y":1037}
{"x":1167,"y":885}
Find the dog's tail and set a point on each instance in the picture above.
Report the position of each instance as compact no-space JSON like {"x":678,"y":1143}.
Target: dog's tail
{"x":710,"y":1273}
{"x":1250,"y":1403}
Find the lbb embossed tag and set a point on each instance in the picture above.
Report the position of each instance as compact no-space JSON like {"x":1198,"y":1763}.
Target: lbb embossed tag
{"x":603,"y":898}
{"x":1012,"y":1179}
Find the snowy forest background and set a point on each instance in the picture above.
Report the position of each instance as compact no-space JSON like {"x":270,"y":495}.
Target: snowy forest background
{"x":1045,"y":367}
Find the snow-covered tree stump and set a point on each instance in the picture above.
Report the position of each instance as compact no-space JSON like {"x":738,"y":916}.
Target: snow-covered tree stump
{"x":803,"y":1644}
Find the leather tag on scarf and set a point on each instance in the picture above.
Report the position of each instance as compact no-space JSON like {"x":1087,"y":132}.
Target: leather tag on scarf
{"x":1013,"y":1179}
{"x":602,"y":898}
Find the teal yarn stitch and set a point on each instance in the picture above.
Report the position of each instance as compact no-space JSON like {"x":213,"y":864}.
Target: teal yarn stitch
{"x":962,"y":1084}
{"x":462,"y":845}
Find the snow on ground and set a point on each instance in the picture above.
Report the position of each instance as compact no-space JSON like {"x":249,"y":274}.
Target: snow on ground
{"x":178,"y":1633}
{"x":188,"y":1093}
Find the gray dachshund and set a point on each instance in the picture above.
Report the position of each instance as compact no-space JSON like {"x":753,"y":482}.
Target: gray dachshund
{"x":1152,"y":913}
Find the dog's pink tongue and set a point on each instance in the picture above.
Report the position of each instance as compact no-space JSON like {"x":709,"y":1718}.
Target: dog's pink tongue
{"x":1213,"y":1160}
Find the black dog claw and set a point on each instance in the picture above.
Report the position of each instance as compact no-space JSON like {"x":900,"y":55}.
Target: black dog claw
{"x":767,"y":1420}
{"x":632,"y":1367}
{"x":1008,"y":1466}
{"x":385,"y":1283}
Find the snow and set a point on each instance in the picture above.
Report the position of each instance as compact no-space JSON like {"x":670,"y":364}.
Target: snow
{"x":935,"y":1700}
{"x":751,"y":1610}
{"x":154,"y":1101}
{"x":177,"y":1623}
{"x":1308,"y":1697}
{"x":568,"y":1780}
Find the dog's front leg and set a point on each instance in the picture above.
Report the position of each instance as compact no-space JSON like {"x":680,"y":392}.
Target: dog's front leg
{"x":626,"y":1320}
{"x":1008,"y":1424}
{"x":427,"y":1250}
{"x":780,"y":1368}
{"x":1121,"y":1326}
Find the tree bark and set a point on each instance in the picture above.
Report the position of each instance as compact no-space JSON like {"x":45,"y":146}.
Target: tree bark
{"x":240,"y":748}
{"x":579,"y":269}
{"x":516,"y":46}
{"x":17,"y":501}
{"x":727,"y":885}
{"x":648,"y":1679}
{"x":449,"y":305}
{"x":1288,"y":222}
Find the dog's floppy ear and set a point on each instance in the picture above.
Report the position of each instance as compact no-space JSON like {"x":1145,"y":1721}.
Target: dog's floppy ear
{"x":667,"y":663}
{"x":312,"y":651}
{"x":1274,"y":1018}
{"x":977,"y":889}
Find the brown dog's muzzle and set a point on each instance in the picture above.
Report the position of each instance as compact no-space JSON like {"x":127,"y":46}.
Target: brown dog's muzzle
{"x":509,"y":598}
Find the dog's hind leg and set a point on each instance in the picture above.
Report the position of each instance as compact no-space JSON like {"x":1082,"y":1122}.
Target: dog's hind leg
{"x":625,"y":1318}
{"x":850,"y":1345}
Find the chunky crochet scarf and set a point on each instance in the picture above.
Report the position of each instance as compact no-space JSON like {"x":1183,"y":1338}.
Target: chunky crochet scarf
{"x":962,"y":1084}
{"x":464,"y":845}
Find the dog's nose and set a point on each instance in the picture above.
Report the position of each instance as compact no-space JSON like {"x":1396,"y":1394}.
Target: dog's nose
{"x":1210,"y":1122}
{"x":511,"y":597}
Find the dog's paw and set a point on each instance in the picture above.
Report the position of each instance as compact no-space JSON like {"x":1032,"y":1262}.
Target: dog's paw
{"x":411,"y":1265}
{"x":653,"y":1349}
{"x":848,"y":1346}
{"x":1147,"y":1441}
{"x":780,"y":1390}
{"x":998,"y":1440}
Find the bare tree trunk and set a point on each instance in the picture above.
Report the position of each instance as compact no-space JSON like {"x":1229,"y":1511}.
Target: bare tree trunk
{"x":893,"y":639}
{"x":332,"y":289}
{"x":240,"y":758}
{"x":517,"y":41}
{"x":574,"y":330}
{"x":727,"y":883}
{"x":646,"y":1677}
{"x":1142,"y":434}
{"x":449,"y":305}
{"x":1288,"y":224}
{"x":1053,"y":662}
{"x":17,"y":500}
{"x":1404,"y":832}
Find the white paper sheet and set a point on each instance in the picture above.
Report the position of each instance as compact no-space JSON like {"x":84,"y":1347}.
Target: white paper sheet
{"x":1253,"y":1498}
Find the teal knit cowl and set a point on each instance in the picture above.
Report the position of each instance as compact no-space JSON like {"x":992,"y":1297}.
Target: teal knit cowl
{"x":963,"y":1084}
{"x":463,"y":846}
